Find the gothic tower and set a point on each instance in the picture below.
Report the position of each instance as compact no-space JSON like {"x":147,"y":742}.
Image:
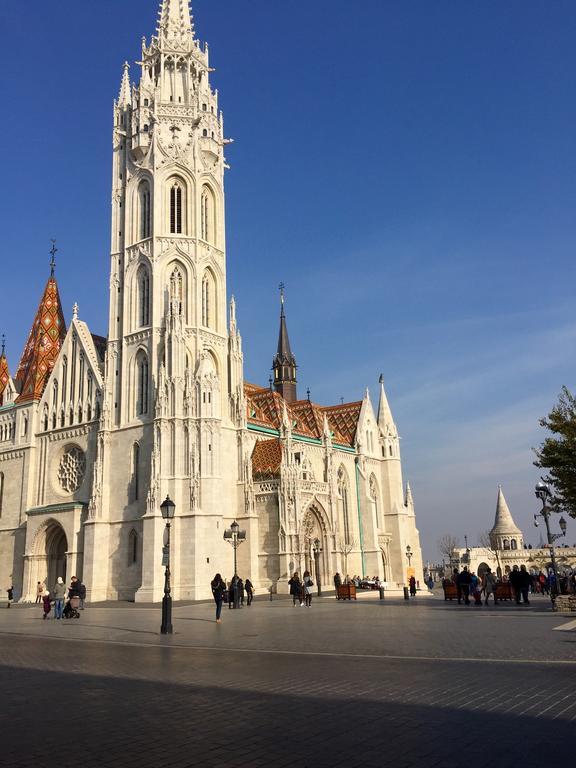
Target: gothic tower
{"x":284,"y":363}
{"x":169,"y":386}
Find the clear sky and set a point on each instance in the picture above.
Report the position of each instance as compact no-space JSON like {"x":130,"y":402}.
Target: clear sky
{"x":406,"y":168}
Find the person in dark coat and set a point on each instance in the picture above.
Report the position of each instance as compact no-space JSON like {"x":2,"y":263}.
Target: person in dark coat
{"x":249,"y":587}
{"x":46,"y":603}
{"x":412,"y":583}
{"x":296,"y":589}
{"x":464,"y":581}
{"x":82,"y":594}
{"x":240,"y":591}
{"x":456,"y":580}
{"x":524,"y":581}
{"x":514,"y":579}
{"x":218,"y":589}
{"x":10,"y":592}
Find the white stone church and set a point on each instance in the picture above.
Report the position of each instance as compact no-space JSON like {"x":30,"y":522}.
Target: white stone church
{"x":95,"y":432}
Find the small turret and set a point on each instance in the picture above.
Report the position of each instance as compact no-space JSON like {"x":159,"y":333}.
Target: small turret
{"x":124,"y":96}
{"x":385,"y":420}
{"x":505,"y":534}
{"x":284,"y":363}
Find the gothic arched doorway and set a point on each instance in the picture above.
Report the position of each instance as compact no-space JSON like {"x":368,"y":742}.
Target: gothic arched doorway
{"x":50,"y":550}
{"x":313,"y":536}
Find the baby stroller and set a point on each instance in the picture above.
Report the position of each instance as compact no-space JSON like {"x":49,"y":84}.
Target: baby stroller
{"x":71,"y":609}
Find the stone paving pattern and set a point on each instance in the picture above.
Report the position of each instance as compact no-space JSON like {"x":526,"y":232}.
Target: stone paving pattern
{"x":281,"y":686}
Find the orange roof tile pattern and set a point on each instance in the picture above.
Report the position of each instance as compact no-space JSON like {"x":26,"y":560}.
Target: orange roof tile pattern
{"x":266,"y":459}
{"x":4,"y":377}
{"x":43,"y":345}
{"x":265,"y":409}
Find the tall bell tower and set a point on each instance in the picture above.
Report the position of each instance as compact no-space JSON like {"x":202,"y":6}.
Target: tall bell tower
{"x":169,"y":382}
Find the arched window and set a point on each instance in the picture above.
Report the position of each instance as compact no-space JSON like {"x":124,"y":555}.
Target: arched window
{"x":132,"y":548}
{"x":513,"y":544}
{"x":54,"y":393}
{"x":142,"y":385}
{"x":343,"y":490}
{"x":145,"y":209}
{"x":1,"y":492}
{"x":64,"y":381}
{"x":506,"y":544}
{"x":143,"y":297}
{"x":176,"y":196}
{"x":135,"y":472}
{"x":207,"y":215}
{"x":208,"y":300}
{"x":176,"y":292}
{"x":45,"y":420}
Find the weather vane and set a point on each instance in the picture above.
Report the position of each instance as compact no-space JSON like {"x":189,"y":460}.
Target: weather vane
{"x":53,"y":252}
{"x":281,"y":287}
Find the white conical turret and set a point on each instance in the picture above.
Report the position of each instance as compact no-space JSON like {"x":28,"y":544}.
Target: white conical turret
{"x":385,"y":420}
{"x":505,"y":534}
{"x":175,"y":19}
{"x":124,"y":97}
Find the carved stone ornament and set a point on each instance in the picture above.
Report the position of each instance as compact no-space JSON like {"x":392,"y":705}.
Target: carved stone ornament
{"x":72,"y":469}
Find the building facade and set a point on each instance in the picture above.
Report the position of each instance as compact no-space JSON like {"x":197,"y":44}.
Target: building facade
{"x":95,"y":432}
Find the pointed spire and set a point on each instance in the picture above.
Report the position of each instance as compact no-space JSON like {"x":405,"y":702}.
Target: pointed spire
{"x":503,"y":522}
{"x":284,"y":363}
{"x":175,"y":19}
{"x":232,"y":316}
{"x":385,"y":420}
{"x":124,"y":97}
{"x":44,"y":342}
{"x":409,"y":499}
{"x":4,"y":371}
{"x":75,"y":310}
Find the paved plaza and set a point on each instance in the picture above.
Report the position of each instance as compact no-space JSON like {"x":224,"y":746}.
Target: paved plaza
{"x":397,"y":684}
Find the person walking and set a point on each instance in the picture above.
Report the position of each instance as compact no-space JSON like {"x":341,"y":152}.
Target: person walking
{"x":59,"y":592}
{"x":241,"y":591}
{"x":296,"y":588}
{"x":249,"y":587}
{"x":515,"y":581}
{"x":218,"y":589}
{"x":456,"y":580}
{"x":489,"y":586}
{"x":308,"y":584}
{"x":10,"y":592}
{"x":464,"y":580}
{"x":40,"y":589}
{"x":81,"y":594}
{"x":46,"y":603}
{"x":412,"y":585}
{"x":524,"y":581}
{"x":337,"y":583}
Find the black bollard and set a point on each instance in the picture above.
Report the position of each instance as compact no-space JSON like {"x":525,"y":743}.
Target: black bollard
{"x":406,"y":594}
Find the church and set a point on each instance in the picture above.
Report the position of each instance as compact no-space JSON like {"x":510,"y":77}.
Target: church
{"x":95,"y":432}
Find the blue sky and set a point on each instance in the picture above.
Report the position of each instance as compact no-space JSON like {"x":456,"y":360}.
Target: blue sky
{"x":406,"y":168}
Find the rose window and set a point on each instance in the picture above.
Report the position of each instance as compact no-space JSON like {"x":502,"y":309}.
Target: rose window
{"x":71,"y":470}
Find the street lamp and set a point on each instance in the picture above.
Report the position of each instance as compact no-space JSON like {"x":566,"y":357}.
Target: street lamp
{"x":317,"y":549}
{"x":467,"y":551}
{"x":409,"y":554}
{"x":167,"y":508}
{"x":544,"y":493}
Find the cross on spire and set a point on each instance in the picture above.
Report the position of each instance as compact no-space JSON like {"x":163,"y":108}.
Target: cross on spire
{"x":3,"y":345}
{"x":53,"y":252}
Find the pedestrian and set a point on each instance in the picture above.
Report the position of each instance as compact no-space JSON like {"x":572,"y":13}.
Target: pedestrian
{"x":82,"y":594}
{"x":218,"y":589}
{"x":46,"y":603}
{"x":240,"y":587}
{"x":308,"y":584}
{"x":456,"y":581}
{"x":464,"y":580}
{"x":249,"y":587}
{"x":524,"y":582}
{"x":296,"y":588}
{"x":489,"y":586}
{"x":412,"y":585}
{"x":337,"y":583}
{"x":515,"y":581}
{"x":40,"y":589}
{"x":10,"y":592}
{"x":59,"y":592}
{"x":233,"y":593}
{"x":430,"y":582}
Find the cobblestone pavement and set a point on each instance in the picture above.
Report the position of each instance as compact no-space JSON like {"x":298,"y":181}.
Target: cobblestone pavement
{"x":336,"y":685}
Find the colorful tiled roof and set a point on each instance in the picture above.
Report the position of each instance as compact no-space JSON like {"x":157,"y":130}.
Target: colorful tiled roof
{"x":265,"y":409}
{"x":266,"y":459}
{"x":4,"y":376}
{"x":43,"y":345}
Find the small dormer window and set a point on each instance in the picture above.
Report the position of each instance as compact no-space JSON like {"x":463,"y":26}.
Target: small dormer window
{"x":146,"y":102}
{"x":205,"y":133}
{"x":146,"y":129}
{"x":204,"y":107}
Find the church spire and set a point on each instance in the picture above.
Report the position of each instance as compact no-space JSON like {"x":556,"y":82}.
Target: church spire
{"x":4,"y":371}
{"x":124,"y":97}
{"x":44,"y":341}
{"x":175,"y":19}
{"x":385,"y":420}
{"x":284,"y":363}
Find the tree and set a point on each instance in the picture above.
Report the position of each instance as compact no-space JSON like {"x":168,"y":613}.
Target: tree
{"x":485,"y":541}
{"x":557,"y":454}
{"x":446,"y":545}
{"x":345,"y":547}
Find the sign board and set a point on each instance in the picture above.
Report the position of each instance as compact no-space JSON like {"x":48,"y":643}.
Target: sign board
{"x":165,"y":556}
{"x":411,"y":572}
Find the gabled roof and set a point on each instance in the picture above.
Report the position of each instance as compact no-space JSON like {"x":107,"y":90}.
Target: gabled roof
{"x":265,"y":409}
{"x":266,"y":459}
{"x":43,"y":345}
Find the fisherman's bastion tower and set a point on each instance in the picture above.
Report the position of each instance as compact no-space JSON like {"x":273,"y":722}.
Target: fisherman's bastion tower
{"x":95,"y":432}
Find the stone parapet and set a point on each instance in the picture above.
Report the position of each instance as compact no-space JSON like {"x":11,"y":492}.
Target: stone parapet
{"x":565,"y":603}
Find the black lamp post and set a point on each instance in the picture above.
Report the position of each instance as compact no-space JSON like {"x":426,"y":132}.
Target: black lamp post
{"x":317,"y":549}
{"x":544,"y":493}
{"x":235,"y":537}
{"x":409,"y":554}
{"x":167,"y":508}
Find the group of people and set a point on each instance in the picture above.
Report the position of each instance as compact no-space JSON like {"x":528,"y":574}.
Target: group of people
{"x":301,"y":589}
{"x":234,"y":593}
{"x":65,"y":599}
{"x":469,"y":585}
